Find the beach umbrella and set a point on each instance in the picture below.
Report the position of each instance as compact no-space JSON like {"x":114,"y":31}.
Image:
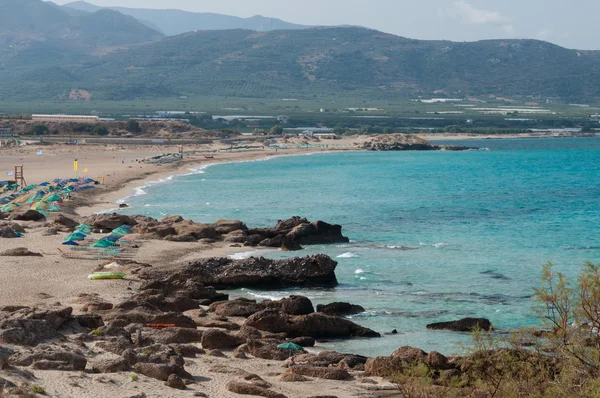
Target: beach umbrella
{"x":290,"y":346}
{"x":71,"y":243}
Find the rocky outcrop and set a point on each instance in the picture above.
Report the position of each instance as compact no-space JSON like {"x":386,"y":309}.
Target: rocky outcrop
{"x":111,"y":366}
{"x":175,"y":382}
{"x":29,"y":215}
{"x":10,"y":229}
{"x":50,"y":358}
{"x":244,"y":388}
{"x":405,"y":142}
{"x":109,"y":222}
{"x":30,"y":327}
{"x":406,"y":358}
{"x":290,"y":234}
{"x":225,"y":273}
{"x":64,"y":221}
{"x":293,"y":305}
{"x":19,"y":252}
{"x":463,"y":325}
{"x":340,"y":309}
{"x":321,"y":373}
{"x":316,"y":325}
{"x":161,"y":371}
{"x":217,"y":339}
{"x":238,"y":307}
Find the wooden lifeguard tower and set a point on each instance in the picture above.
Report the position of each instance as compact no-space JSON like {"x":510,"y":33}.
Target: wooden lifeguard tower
{"x":19,"y":177}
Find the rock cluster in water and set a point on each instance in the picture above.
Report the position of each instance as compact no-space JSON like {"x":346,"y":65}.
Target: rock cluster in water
{"x":289,"y":234}
{"x":405,"y":142}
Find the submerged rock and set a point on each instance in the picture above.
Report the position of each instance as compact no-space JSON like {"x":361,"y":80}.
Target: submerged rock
{"x":340,"y":309}
{"x":463,"y":325}
{"x":316,"y":325}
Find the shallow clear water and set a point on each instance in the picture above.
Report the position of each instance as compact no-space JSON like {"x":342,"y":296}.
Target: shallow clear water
{"x":435,"y":236}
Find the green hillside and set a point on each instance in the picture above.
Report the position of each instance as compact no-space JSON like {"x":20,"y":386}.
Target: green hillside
{"x":317,"y":62}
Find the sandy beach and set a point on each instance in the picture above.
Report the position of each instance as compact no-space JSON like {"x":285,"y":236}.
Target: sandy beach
{"x":57,"y":279}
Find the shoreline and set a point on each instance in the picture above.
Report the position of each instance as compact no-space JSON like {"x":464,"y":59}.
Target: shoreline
{"x":106,"y":201}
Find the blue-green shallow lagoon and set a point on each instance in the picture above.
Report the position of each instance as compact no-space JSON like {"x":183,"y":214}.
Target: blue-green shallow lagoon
{"x":435,"y":236}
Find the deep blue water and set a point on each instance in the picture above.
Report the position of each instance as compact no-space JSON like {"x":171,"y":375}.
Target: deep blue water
{"x":435,"y":236}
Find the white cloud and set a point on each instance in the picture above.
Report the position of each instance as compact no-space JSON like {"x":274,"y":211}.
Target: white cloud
{"x":472,"y":15}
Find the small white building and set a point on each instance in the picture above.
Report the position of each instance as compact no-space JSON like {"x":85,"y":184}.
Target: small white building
{"x":65,"y":118}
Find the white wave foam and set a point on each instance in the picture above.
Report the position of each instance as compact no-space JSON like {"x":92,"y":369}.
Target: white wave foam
{"x":438,"y":245}
{"x":250,"y":253}
{"x":348,"y":255}
{"x":139,"y":191}
{"x":265,"y":296}
{"x":359,"y":271}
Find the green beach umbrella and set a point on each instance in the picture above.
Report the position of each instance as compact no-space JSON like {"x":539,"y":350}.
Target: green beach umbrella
{"x":290,"y":346}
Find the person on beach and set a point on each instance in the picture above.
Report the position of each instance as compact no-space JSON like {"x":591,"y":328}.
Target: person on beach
{"x":292,"y":362}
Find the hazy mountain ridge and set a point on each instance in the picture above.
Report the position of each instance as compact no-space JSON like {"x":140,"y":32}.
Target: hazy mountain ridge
{"x":46,"y":53}
{"x":175,"y":22}
{"x":24,"y":22}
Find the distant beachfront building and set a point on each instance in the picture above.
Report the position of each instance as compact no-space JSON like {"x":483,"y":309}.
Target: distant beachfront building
{"x":65,"y":118}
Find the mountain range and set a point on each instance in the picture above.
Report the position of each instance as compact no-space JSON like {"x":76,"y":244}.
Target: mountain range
{"x":175,"y":22}
{"x":47,"y":52}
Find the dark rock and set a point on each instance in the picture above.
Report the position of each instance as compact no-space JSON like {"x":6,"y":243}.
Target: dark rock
{"x":175,"y":382}
{"x":160,"y":371}
{"x":304,"y":341}
{"x":171,"y":219}
{"x":50,"y":358}
{"x":316,"y":325}
{"x":65,"y":221}
{"x":109,"y":222}
{"x":463,"y":325}
{"x":5,"y":385}
{"x":27,"y":332}
{"x":410,"y":354}
{"x":7,"y":232}
{"x":437,"y":361}
{"x":93,"y":303}
{"x":198,"y":231}
{"x":5,"y":354}
{"x":238,"y":307}
{"x":225,"y":273}
{"x":172,"y":335}
{"x":224,"y":227}
{"x":217,"y":339}
{"x":321,"y":373}
{"x":216,"y":354}
{"x":340,"y":309}
{"x":213,"y":323}
{"x":123,"y":317}
{"x":276,"y":241}
{"x":114,"y":331}
{"x":19,"y":252}
{"x":111,"y":366}
{"x":244,"y":388}
{"x":29,"y":215}
{"x":116,"y":345}
{"x":266,"y":349}
{"x":290,"y":246}
{"x":293,"y":305}
{"x":13,"y":308}
{"x":384,"y":366}
{"x":90,"y":321}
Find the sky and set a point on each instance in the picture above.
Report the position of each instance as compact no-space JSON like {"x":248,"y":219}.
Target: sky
{"x":569,"y":23}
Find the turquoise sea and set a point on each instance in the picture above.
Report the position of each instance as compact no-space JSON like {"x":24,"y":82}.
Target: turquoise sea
{"x":435,"y":236}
